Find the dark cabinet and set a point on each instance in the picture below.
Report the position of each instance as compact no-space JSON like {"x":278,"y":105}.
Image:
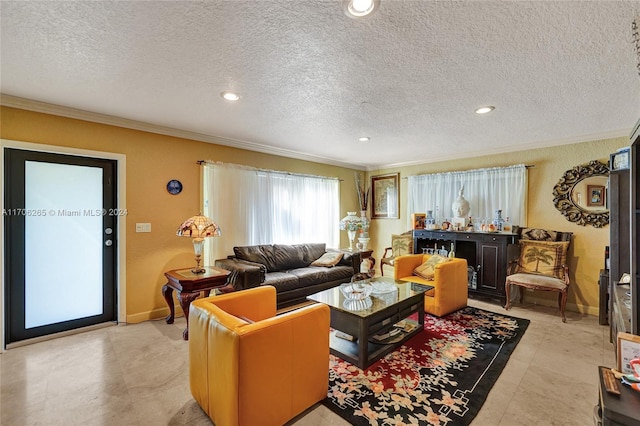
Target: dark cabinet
{"x":612,"y":410}
{"x":619,"y":204}
{"x":619,"y":247}
{"x":624,"y":206}
{"x":635,"y":229}
{"x":486,"y":256}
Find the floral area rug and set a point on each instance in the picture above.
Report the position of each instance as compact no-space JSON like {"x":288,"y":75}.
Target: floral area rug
{"x":439,"y":377}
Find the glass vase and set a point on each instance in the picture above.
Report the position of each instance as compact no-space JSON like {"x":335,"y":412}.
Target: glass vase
{"x":498,"y":221}
{"x":365,"y":223}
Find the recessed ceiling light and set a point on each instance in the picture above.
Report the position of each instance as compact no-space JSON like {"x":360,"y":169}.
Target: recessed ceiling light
{"x":230,"y":96}
{"x":364,"y":139}
{"x":485,"y":109}
{"x":359,"y":8}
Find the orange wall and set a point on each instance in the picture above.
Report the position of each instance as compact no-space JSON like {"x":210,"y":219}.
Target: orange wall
{"x":152,"y":160}
{"x":550,"y":165}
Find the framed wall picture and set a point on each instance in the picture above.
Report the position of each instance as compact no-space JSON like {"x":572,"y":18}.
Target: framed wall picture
{"x":595,"y":196}
{"x":628,"y":349}
{"x":385,"y":196}
{"x":419,"y":220}
{"x":620,"y":159}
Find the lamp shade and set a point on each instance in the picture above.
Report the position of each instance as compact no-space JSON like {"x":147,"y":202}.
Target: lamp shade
{"x":198,"y":227}
{"x":351,"y":222}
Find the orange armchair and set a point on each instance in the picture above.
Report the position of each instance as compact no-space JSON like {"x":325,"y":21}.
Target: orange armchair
{"x":450,"y":290}
{"x":248,"y":366}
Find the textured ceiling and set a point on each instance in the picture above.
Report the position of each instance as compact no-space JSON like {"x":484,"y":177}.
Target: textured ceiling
{"x":313,"y":80}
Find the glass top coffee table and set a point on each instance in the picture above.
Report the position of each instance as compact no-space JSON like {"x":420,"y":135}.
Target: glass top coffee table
{"x":363,"y":331}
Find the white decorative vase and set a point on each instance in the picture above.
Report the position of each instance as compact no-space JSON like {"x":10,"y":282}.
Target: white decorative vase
{"x":352,"y":236}
{"x":364,"y":242}
{"x":365,"y":224}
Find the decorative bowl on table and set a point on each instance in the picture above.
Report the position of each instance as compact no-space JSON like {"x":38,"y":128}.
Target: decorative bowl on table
{"x":357,"y":304}
{"x":356,"y":290}
{"x":381,"y":287}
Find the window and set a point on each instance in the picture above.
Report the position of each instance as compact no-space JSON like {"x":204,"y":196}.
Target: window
{"x":268,"y":207}
{"x":487,"y":190}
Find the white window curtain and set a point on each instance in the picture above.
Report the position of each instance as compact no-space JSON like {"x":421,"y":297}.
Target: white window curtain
{"x":255,"y":206}
{"x":487,"y":190}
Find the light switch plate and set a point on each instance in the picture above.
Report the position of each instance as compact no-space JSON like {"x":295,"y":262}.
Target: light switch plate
{"x":143,"y":227}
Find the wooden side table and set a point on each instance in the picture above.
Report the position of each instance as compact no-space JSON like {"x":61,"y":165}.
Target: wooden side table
{"x":617,"y":410}
{"x":189,"y":286}
{"x":358,"y":256}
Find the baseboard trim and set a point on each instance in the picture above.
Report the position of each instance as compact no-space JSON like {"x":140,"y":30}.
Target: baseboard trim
{"x":60,"y":334}
{"x":152,"y":315}
{"x":573,"y":307}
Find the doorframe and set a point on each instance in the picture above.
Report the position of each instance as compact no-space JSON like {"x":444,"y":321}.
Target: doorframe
{"x":121,"y":247}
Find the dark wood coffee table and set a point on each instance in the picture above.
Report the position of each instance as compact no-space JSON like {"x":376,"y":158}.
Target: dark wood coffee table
{"x":373,"y":319}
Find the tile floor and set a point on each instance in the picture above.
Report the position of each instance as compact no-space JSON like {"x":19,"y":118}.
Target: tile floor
{"x":137,"y":375}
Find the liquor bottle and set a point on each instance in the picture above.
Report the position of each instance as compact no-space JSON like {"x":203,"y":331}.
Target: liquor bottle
{"x":506,"y":226}
{"x":498,"y":221}
{"x":451,"y":252}
{"x":470,"y":225}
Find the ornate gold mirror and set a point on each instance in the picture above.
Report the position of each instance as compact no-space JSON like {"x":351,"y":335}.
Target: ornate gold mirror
{"x":580,"y":195}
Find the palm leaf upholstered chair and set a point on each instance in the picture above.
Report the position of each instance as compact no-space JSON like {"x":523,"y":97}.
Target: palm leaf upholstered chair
{"x":400,"y":244}
{"x":541,"y":264}
{"x":248,"y":366}
{"x":448,"y":276}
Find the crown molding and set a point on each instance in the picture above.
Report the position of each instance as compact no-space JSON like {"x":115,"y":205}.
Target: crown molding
{"x":53,"y":109}
{"x":111,"y":120}
{"x":513,"y":148}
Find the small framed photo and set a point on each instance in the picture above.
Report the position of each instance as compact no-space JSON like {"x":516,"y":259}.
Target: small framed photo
{"x":419,"y":220}
{"x":595,"y":196}
{"x":628,"y":349}
{"x":385,"y":196}
{"x":620,"y":159}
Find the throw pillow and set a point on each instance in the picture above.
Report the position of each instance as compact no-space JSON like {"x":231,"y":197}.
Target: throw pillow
{"x":428,"y":269}
{"x":543,"y":257}
{"x":329,"y":259}
{"x":401,"y":244}
{"x":538,"y":234}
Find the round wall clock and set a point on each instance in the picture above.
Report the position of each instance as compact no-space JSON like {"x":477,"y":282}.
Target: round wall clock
{"x":174,"y":187}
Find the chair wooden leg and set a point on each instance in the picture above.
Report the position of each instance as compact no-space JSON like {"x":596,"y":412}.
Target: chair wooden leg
{"x":507,"y":291}
{"x":562,"y":301}
{"x":381,"y":269}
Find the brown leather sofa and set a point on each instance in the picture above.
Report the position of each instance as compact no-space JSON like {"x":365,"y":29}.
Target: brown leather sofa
{"x":288,"y":268}
{"x":249,"y":366}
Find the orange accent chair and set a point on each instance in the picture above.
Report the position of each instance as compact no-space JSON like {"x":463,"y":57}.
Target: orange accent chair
{"x":248,"y":366}
{"x":450,"y":291}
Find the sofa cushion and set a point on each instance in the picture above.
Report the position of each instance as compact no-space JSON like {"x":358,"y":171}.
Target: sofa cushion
{"x":347,"y":259}
{"x":258,"y":254}
{"x":329,"y":259}
{"x":427,"y":270}
{"x":311,"y":275}
{"x":282,"y":281}
{"x":339,"y":272}
{"x":311,"y":252}
{"x":287,"y":257}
